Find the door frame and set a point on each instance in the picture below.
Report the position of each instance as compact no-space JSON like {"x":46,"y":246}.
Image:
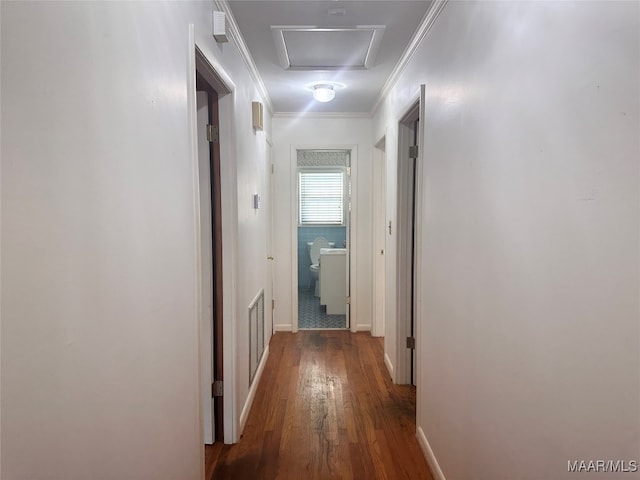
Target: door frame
{"x":206,"y":263}
{"x":212,"y":326}
{"x":352,"y":230}
{"x":216,"y":76}
{"x":407,"y":360}
{"x":269,"y":296}
{"x":379,"y":230}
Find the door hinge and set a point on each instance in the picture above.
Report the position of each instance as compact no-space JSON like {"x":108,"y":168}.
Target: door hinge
{"x":217,"y":389}
{"x":413,"y":151}
{"x":348,"y":300}
{"x":213,"y":135}
{"x":273,"y":304}
{"x":272,"y":168}
{"x":411,"y":343}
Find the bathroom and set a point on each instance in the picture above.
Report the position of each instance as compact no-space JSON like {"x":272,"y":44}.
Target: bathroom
{"x":311,"y":314}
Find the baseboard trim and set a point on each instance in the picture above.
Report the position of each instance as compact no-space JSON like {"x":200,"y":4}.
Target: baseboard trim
{"x":387,"y":362}
{"x":436,"y":471}
{"x":363,"y":328}
{"x":252,"y":391}
{"x":284,"y":327}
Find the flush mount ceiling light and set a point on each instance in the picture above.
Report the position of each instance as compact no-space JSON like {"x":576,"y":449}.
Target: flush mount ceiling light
{"x":323,"y":92}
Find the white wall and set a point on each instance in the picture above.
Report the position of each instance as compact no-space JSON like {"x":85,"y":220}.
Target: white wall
{"x":315,"y":132}
{"x":528,"y":342}
{"x":99,"y":294}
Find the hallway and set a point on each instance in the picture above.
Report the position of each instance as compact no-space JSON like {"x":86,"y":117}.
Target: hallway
{"x":325,"y":409}
{"x":527,"y":239}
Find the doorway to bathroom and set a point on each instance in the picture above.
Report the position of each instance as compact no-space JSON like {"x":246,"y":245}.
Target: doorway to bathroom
{"x":323,"y":238}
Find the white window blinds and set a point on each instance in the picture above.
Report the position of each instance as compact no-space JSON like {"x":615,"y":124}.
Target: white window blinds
{"x":321,"y":197}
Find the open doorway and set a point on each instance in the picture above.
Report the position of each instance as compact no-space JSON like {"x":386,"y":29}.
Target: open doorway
{"x":210,"y":212}
{"x":409,"y":235}
{"x":323,"y":238}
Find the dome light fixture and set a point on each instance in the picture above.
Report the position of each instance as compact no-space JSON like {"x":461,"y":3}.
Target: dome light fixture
{"x":323,"y":92}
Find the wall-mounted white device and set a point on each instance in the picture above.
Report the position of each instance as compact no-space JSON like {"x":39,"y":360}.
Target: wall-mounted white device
{"x":257,"y":115}
{"x":219,"y":27}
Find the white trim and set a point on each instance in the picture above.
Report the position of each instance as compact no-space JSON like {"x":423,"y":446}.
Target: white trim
{"x":229,"y":194}
{"x":322,"y":115}
{"x":219,"y":80}
{"x":387,"y":362}
{"x":378,"y":260}
{"x":238,"y":39}
{"x":252,"y":390}
{"x":293,"y":168}
{"x":193,"y":144}
{"x":419,"y":241}
{"x":411,"y":107}
{"x":270,"y":226}
{"x":205,"y":271}
{"x":229,"y":227}
{"x":213,"y":72}
{"x":422,"y":30}
{"x":282,"y":327}
{"x":363,"y":328}
{"x":436,"y":471}
{"x":352,"y":241}
{"x":402,"y":249}
{"x":229,"y":200}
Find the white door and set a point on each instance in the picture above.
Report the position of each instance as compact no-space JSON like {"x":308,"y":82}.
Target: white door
{"x":418,"y":225}
{"x":206,"y":268}
{"x":268,"y":203}
{"x":409,"y":242}
{"x":379,"y":238}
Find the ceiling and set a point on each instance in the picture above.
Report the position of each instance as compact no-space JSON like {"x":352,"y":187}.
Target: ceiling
{"x":354,"y":44}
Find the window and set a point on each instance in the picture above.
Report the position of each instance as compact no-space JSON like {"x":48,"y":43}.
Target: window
{"x":321,"y":196}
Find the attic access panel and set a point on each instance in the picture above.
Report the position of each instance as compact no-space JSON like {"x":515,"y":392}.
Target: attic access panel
{"x":316,"y":48}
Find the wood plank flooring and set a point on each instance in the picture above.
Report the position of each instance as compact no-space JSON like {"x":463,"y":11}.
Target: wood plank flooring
{"x":325,"y":409}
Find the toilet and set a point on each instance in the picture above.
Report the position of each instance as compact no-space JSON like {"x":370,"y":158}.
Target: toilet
{"x":314,"y":254}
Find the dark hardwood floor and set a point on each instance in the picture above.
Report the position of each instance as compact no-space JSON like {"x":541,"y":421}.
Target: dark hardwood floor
{"x":325,"y":409}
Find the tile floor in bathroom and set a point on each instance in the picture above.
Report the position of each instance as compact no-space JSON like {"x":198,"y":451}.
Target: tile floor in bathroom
{"x":310,"y":315}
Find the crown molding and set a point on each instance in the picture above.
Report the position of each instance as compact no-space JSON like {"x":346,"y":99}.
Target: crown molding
{"x":421,"y":32}
{"x":234,"y":33}
{"x":328,"y":115}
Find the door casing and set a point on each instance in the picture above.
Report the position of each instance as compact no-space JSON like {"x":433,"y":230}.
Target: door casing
{"x":352,"y":232}
{"x":221,"y":83}
{"x":379,"y":238}
{"x":407,"y":360}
